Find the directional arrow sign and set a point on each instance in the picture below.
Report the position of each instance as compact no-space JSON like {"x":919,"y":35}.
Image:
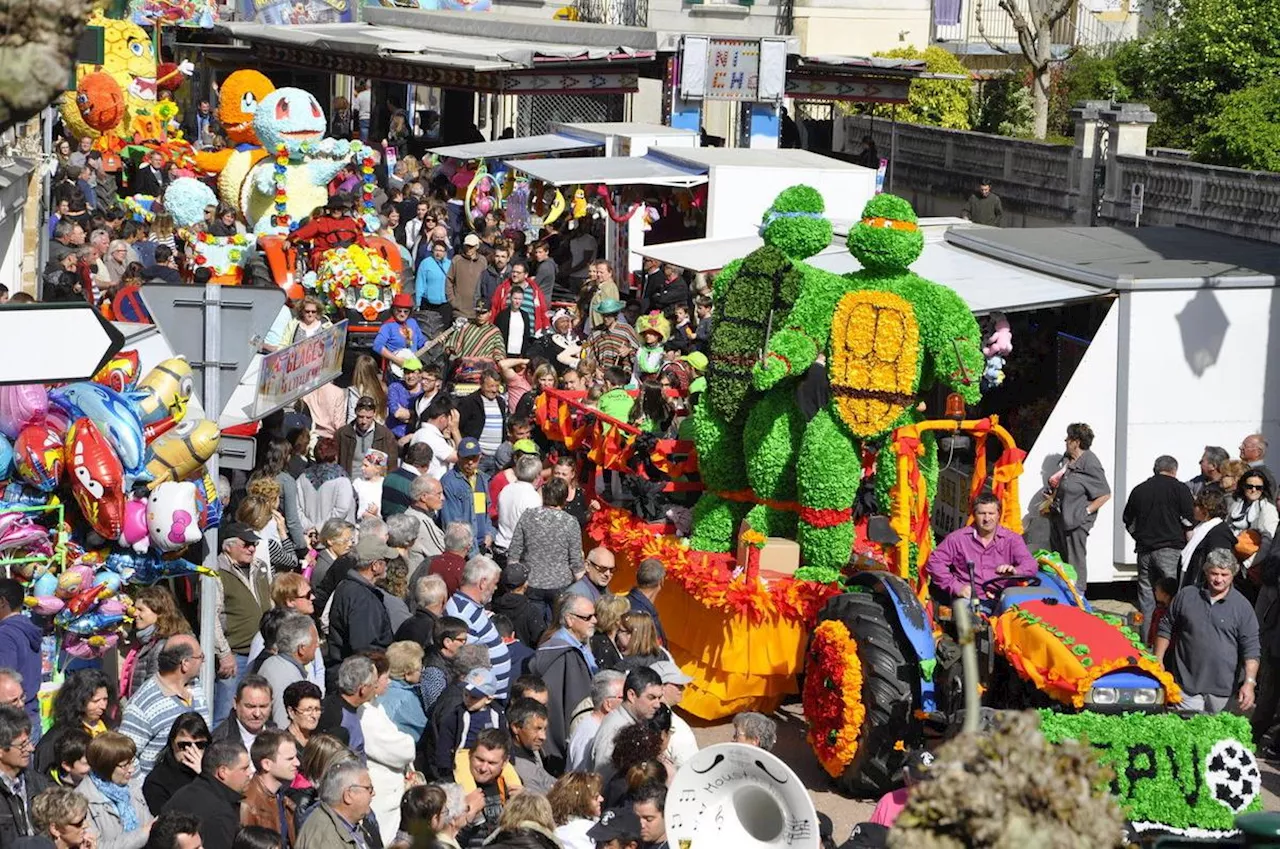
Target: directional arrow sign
{"x":54,"y":343}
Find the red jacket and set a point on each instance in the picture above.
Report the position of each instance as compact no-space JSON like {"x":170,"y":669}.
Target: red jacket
{"x":503,"y":293}
{"x":325,"y":233}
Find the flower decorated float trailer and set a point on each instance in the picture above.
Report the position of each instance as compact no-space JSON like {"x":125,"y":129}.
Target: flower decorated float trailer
{"x":842,"y":363}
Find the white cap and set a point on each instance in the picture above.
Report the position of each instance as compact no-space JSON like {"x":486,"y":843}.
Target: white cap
{"x":669,"y":672}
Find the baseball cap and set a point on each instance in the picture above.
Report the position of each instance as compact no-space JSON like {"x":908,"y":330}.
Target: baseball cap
{"x":237,"y":530}
{"x":480,"y":683}
{"x":515,"y":575}
{"x":616,"y":824}
{"x":371,"y":548}
{"x":471,"y":240}
{"x":669,"y":672}
{"x":411,"y":364}
{"x":469,"y":447}
{"x":697,"y":359}
{"x":918,"y":763}
{"x":525,"y":446}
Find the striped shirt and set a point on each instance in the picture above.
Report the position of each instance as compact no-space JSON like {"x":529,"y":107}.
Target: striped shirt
{"x":150,"y":714}
{"x":480,"y":630}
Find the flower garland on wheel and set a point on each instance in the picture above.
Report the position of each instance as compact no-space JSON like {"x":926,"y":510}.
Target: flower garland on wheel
{"x":833,"y":696}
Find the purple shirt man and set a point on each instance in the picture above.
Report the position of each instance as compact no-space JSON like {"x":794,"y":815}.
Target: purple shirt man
{"x":994,"y":551}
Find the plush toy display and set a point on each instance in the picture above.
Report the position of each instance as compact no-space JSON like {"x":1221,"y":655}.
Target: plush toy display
{"x":292,"y":182}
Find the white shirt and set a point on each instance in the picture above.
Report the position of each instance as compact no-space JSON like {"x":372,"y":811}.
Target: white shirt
{"x":515,"y":334}
{"x":368,"y":492}
{"x":440,"y":448}
{"x":515,"y":498}
{"x":362,"y":102}
{"x":683,"y":745}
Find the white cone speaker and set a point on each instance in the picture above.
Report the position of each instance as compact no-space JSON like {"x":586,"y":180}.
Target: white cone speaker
{"x":739,"y":796}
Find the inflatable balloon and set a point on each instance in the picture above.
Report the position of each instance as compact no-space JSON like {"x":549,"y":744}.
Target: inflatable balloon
{"x":37,"y":456}
{"x":89,"y":648}
{"x":105,"y":616}
{"x":120,"y":373}
{"x":163,"y":392}
{"x":173,"y":516}
{"x":97,"y":478}
{"x":180,"y":452}
{"x":45,"y":585}
{"x":133,"y":532}
{"x":74,"y":579}
{"x":148,"y":568}
{"x":209,"y":502}
{"x":15,"y":494}
{"x":107,"y":409}
{"x":20,"y":406}
{"x":6,"y":457}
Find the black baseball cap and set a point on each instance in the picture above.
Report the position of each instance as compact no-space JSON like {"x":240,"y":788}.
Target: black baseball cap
{"x":616,"y":824}
{"x":236,"y":530}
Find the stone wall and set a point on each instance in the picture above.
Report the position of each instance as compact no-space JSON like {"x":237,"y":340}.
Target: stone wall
{"x":1052,"y":185}
{"x":938,"y":169}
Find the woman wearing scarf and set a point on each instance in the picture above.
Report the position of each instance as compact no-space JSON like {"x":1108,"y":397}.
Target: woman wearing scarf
{"x":325,"y":490}
{"x":1211,"y":531}
{"x":117,"y":809}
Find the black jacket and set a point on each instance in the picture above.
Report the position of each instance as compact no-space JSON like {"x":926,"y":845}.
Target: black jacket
{"x":217,"y":807}
{"x":358,"y":621}
{"x":418,"y":628}
{"x":1220,"y":536}
{"x":526,"y":616}
{"x":15,"y":811}
{"x":640,"y":604}
{"x":668,"y":294}
{"x":1158,"y":513}
{"x":568,"y":680}
{"x":471,"y":415}
{"x":332,"y":577}
{"x":167,"y":777}
{"x":605,"y":651}
{"x":502,"y":321}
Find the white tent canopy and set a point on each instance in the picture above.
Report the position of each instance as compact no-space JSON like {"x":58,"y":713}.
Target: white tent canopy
{"x":527,"y":145}
{"x":612,"y":171}
{"x":986,"y":285}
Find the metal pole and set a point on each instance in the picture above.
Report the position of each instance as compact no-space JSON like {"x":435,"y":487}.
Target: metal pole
{"x":893,"y":147}
{"x":46,"y":198}
{"x":968,"y":665}
{"x":212,"y":394}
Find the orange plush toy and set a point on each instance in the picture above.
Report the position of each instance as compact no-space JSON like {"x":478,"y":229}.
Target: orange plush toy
{"x":239,"y":96}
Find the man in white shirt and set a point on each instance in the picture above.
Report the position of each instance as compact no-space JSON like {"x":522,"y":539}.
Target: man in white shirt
{"x":439,"y":429}
{"x":606,"y":695}
{"x":683,"y":745}
{"x":517,"y":497}
{"x":362,"y":103}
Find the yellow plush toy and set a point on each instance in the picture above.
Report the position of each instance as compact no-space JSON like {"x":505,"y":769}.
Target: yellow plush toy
{"x":129,"y":59}
{"x":579,"y":203}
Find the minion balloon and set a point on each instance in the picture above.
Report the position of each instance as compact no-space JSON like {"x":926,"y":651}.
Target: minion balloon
{"x":164,"y":392}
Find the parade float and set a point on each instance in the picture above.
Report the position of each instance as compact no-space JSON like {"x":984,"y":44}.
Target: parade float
{"x":845,"y":455}
{"x":105,"y":489}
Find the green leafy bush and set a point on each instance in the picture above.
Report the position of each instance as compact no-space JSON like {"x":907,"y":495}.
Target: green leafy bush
{"x":937,"y":103}
{"x":1245,"y":131}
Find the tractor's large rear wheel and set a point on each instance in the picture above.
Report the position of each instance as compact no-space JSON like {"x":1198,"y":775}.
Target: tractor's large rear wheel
{"x":860,"y":680}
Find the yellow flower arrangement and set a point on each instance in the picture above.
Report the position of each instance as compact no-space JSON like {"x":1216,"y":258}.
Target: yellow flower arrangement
{"x":875,"y":352}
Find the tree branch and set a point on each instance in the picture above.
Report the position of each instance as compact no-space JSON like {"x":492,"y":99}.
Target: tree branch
{"x":982,"y":31}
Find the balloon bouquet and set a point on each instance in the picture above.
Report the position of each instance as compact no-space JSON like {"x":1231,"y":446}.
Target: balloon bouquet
{"x":133,"y":464}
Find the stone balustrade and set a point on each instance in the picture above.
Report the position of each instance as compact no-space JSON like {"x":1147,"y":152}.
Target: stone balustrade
{"x":1179,"y":192}
{"x":1051,"y":185}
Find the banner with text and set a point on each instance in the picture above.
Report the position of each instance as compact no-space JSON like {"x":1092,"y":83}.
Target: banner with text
{"x":288,"y":374}
{"x":733,"y":69}
{"x":298,"y":11}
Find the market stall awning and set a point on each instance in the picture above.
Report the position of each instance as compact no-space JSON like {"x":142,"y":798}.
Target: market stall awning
{"x":426,"y":56}
{"x":612,"y":171}
{"x":699,"y":255}
{"x":528,"y":145}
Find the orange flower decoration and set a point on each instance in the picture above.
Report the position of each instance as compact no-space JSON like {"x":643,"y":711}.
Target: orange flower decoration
{"x":833,"y":696}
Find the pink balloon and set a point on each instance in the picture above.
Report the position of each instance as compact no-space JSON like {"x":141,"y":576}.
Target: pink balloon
{"x":20,"y":406}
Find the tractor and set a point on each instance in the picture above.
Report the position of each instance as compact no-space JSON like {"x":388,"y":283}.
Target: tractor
{"x":883,"y":676}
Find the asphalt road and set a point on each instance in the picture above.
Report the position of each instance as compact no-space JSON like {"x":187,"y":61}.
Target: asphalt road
{"x":793,"y":749}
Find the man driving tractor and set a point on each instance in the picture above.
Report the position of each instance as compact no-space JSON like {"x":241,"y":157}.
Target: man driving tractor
{"x":993,"y":550}
{"x":335,"y":228}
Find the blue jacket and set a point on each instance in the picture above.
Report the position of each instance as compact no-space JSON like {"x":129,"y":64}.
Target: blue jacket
{"x":20,"y":651}
{"x":429,"y":283}
{"x":460,"y":502}
{"x":390,"y":339}
{"x":404,"y":707}
{"x":398,"y":397}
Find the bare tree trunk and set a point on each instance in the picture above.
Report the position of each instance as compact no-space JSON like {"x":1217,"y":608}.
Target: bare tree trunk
{"x":1040,"y":82}
{"x":1033,"y":25}
{"x":36,"y":53}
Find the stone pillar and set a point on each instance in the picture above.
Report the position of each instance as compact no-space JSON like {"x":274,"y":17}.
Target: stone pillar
{"x":1127,"y":125}
{"x":1085,"y":115}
